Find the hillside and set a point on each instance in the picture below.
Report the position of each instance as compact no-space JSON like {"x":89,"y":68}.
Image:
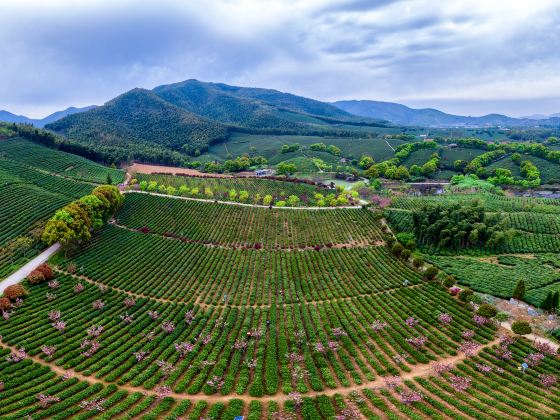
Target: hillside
{"x":428,"y":117}
{"x":140,"y":117}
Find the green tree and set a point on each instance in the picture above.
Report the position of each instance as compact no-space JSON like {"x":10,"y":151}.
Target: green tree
{"x":109,"y":178}
{"x":555,"y":300}
{"x":232,"y":194}
{"x":519,"y":291}
{"x":243,"y":196}
{"x":287,"y":169}
{"x":267,"y":200}
{"x":366,"y":162}
{"x":547,"y":303}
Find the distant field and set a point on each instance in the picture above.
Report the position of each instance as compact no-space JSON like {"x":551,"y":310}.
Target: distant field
{"x":549,"y":170}
{"x":269,"y":146}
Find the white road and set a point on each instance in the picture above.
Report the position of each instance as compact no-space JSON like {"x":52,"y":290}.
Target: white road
{"x":24,"y":271}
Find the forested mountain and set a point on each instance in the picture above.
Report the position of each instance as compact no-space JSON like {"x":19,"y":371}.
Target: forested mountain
{"x":428,"y":117}
{"x":139,"y":117}
{"x":189,"y":116}
{"x":250,"y":107}
{"x":6,"y":116}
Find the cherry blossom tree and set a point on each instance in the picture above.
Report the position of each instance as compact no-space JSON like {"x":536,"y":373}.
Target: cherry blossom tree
{"x":468,"y":334}
{"x":545,"y":348}
{"x":153,"y":314}
{"x":339,"y":332}
{"x":319,"y":347}
{"x":98,"y":304}
{"x":241,"y":344}
{"x":411,"y":322}
{"x":53,"y":284}
{"x":54,"y":315}
{"x":295,"y":398}
{"x":378,"y":325}
{"x":89,"y":347}
{"x":149,"y":336}
{"x":129,"y":302}
{"x":480,"y":320}
{"x":166,"y":367}
{"x":440,"y":368}
{"x":460,"y":383}
{"x":408,"y":396}
{"x":126,"y":318}
{"x":184,"y":348}
{"x":79,"y":288}
{"x":48,"y":351}
{"x":59,"y":325}
{"x":162,"y":391}
{"x":534,"y":359}
{"x":93,"y":405}
{"x":216,"y":382}
{"x":95,"y":330}
{"x":445,"y":318}
{"x":140,"y":355}
{"x":50,"y":296}
{"x":350,"y":412}
{"x":547,"y":380}
{"x":168,"y":327}
{"x":46,"y":400}
{"x":392,"y":381}
{"x":189,"y":317}
{"x":17,"y":355}
{"x":333,"y":346}
{"x":469,"y":348}
{"x":417,"y":342}
{"x":484,"y":368}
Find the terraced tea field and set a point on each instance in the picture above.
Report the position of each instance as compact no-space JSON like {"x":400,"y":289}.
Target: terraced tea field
{"x":186,"y":309}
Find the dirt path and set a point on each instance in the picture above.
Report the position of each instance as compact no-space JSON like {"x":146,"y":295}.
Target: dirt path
{"x":142,"y":168}
{"x":417,"y":371}
{"x":24,"y":271}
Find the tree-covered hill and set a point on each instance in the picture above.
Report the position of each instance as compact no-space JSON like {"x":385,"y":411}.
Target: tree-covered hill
{"x":140,"y":117}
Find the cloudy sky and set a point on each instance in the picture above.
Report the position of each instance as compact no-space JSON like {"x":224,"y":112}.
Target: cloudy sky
{"x":462,"y":56}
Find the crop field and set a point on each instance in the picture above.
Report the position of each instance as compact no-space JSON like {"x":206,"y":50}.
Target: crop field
{"x":251,"y":227}
{"x":499,"y":276}
{"x":269,"y":146}
{"x":183,"y":309}
{"x":220,"y":187}
{"x":54,"y":161}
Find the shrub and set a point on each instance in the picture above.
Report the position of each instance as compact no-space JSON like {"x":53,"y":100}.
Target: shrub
{"x":431,"y":272}
{"x":521,"y":327}
{"x":405,"y":254}
{"x":36,"y":277}
{"x":397,"y":249}
{"x":390,"y":241}
{"x":487,"y":310}
{"x":418,"y":262}
{"x":71,"y":268}
{"x":5,"y":304}
{"x":14,"y":291}
{"x":502,"y":317}
{"x":46,"y":270}
{"x":466,"y":295}
{"x":449,"y":281}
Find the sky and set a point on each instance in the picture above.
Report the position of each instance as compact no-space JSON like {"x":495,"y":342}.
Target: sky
{"x":469,"y":57}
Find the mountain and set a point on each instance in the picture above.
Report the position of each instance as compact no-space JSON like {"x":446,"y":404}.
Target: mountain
{"x":250,"y":107}
{"x":140,"y":116}
{"x":21,"y":119}
{"x":541,"y":116}
{"x":189,"y":116}
{"x":427,"y":117}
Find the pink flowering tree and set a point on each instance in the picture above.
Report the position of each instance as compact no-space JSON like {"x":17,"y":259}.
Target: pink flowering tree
{"x":17,"y":355}
{"x":409,"y":396}
{"x":417,"y":342}
{"x":480,"y":320}
{"x":440,"y":368}
{"x":534,"y":359}
{"x":189,"y":317}
{"x":93,"y":405}
{"x":54,"y":316}
{"x":140,"y":355}
{"x":89,"y":347}
{"x":129,"y":302}
{"x":184,"y":348}
{"x":484,"y":368}
{"x":378,"y":325}
{"x":411,"y":322}
{"x":48,"y":351}
{"x":162,"y":391}
{"x":445,"y":318}
{"x":392,"y":381}
{"x":153,"y":315}
{"x":166,"y":367}
{"x":79,"y":288}
{"x":46,"y":400}
{"x":547,"y":380}
{"x":59,"y":325}
{"x":460,"y":383}
{"x":98,"y":304}
{"x":126,"y":318}
{"x":168,"y":327}
{"x":469,"y":348}
{"x":95,"y":330}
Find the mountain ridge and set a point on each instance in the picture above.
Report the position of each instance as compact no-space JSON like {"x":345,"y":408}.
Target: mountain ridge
{"x":429,"y":117}
{"x":7,"y":116}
